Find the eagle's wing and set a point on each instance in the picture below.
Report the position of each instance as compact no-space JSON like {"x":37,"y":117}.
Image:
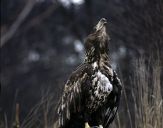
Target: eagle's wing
{"x":71,"y":98}
{"x":113,"y":101}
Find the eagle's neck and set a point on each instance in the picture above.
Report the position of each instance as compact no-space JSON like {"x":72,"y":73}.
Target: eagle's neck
{"x":96,"y":45}
{"x":101,"y":59}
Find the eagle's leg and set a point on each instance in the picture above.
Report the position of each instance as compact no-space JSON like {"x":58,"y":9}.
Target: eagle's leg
{"x":87,"y":125}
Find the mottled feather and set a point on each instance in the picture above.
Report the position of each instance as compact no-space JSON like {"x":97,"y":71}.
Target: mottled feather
{"x":92,"y":93}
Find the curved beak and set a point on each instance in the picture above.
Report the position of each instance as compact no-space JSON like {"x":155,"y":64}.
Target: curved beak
{"x":101,"y":24}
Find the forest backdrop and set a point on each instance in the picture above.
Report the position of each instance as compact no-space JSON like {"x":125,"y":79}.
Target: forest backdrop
{"x":42,"y":43}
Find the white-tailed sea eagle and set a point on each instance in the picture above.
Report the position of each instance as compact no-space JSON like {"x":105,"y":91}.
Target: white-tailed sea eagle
{"x":92,"y":93}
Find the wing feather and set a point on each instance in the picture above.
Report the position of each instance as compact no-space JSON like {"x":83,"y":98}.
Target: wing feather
{"x":71,"y":99}
{"x":113,"y":101}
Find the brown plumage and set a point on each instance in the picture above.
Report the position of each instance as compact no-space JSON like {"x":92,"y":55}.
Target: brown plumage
{"x":92,"y":93}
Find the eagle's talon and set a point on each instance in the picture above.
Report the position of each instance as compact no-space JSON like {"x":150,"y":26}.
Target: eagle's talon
{"x":100,"y":126}
{"x":87,"y":125}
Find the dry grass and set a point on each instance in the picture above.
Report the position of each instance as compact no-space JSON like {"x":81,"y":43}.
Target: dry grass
{"x":147,"y":94}
{"x":142,"y":106}
{"x":145,"y":107}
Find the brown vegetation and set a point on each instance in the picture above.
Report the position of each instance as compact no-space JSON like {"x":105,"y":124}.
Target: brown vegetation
{"x":144,"y":109}
{"x":146,"y":97}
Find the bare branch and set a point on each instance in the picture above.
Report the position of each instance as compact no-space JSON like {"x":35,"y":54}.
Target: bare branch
{"x":24,"y":13}
{"x":38,"y":19}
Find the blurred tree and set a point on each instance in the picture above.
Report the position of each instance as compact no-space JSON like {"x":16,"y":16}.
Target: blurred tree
{"x":47,"y":42}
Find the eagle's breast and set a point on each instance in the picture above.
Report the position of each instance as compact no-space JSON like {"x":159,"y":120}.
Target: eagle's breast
{"x":101,"y":88}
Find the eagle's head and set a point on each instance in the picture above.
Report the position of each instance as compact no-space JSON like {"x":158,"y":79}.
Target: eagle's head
{"x":96,"y":44}
{"x":101,"y":26}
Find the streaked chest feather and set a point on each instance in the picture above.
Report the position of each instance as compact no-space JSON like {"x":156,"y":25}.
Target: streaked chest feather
{"x":101,"y":88}
{"x":102,"y":84}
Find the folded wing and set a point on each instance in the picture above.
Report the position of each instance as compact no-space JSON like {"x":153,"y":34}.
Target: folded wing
{"x":113,"y":101}
{"x":70,"y":101}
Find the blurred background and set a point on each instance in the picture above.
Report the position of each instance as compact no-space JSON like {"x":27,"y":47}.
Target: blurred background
{"x":42,"y":43}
